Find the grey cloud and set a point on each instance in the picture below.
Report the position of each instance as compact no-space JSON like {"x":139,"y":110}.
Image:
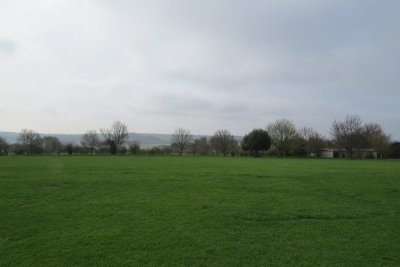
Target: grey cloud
{"x":180,"y":104}
{"x":207,"y":64}
{"x":7,"y":48}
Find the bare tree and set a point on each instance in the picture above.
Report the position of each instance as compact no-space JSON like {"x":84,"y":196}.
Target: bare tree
{"x":223,"y":142}
{"x":31,"y":140}
{"x":317,"y":142}
{"x":181,"y":139}
{"x":3,"y":146}
{"x":283,"y":134}
{"x":116,"y":136}
{"x":349,"y":133}
{"x":51,"y":144}
{"x":376,"y":138}
{"x":90,"y":140}
{"x":201,"y":146}
{"x":311,"y":140}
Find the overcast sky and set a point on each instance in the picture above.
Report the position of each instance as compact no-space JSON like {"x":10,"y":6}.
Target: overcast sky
{"x":156,"y":65}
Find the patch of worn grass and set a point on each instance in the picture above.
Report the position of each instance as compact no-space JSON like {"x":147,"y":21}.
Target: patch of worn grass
{"x":198,"y":211}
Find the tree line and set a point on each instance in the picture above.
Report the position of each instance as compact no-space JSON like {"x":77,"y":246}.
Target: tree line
{"x":280,"y":138}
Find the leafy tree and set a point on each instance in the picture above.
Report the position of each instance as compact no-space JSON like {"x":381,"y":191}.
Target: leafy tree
{"x":116,"y":136}
{"x":256,"y":141}
{"x":181,"y":139}
{"x":17,"y":148}
{"x":283,"y":134}
{"x":395,"y":150}
{"x":90,"y":141}
{"x":155,"y":151}
{"x":134,"y":148}
{"x":223,"y":142}
{"x":69,"y":148}
{"x":166,"y":150}
{"x":3,"y":146}
{"x":124,"y":150}
{"x":31,"y":141}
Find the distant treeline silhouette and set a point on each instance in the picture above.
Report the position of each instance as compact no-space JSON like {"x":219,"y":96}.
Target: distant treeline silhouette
{"x":350,"y":138}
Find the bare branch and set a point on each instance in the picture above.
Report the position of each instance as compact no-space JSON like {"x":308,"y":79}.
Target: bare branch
{"x":223,"y":142}
{"x":283,"y":133}
{"x":116,"y":137}
{"x":181,"y":139}
{"x":90,"y":140}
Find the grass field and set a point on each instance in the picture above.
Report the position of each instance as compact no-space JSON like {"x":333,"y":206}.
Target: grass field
{"x":198,"y":211}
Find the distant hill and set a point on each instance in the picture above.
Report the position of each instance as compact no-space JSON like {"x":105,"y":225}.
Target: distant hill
{"x":142,"y":138}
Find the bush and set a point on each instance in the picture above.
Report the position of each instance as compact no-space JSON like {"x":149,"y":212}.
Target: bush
{"x":256,"y":141}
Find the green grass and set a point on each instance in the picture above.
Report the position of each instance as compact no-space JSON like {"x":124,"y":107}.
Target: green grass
{"x":198,"y":211}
